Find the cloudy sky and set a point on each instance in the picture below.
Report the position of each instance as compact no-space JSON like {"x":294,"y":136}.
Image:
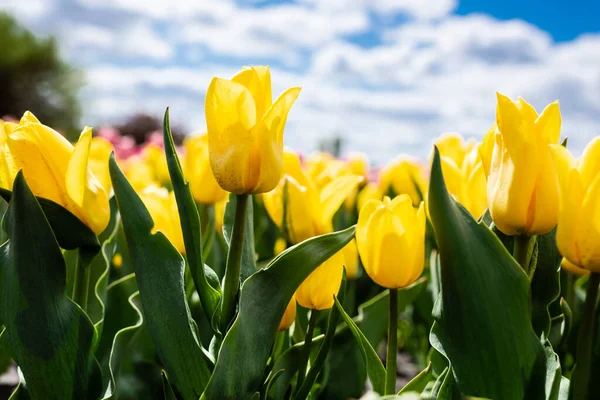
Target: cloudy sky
{"x":388,"y":76}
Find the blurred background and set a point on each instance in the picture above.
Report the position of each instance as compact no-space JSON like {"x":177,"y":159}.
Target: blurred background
{"x":379,"y":76}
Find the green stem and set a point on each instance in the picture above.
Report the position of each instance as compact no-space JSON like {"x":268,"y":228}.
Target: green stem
{"x":521,"y":253}
{"x":585,"y":340}
{"x":81,"y":283}
{"x":306,"y":348}
{"x":392,"y":345}
{"x":231,"y":283}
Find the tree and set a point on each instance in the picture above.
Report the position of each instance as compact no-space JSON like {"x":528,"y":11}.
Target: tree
{"x":34,"y":77}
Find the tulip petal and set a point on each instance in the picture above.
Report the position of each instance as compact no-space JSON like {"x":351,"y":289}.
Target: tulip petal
{"x":486,"y":149}
{"x":28,"y":117}
{"x":77,"y":169}
{"x":230,"y":115}
{"x":317,"y":291}
{"x":269,"y":133}
{"x":363,"y":227}
{"x":568,"y":217}
{"x":572,"y":268}
{"x":333,"y":195}
{"x":588,"y":229}
{"x":589,"y":163}
{"x":258,"y":81}
{"x":548,"y":124}
{"x":510,"y":121}
{"x":543,"y":208}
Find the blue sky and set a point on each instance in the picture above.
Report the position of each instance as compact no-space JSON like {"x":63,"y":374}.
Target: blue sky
{"x":388,"y":76}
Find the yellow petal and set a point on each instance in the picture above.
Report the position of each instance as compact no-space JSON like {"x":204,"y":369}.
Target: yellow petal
{"x":350,"y":252}
{"x":317,"y":291}
{"x":589,"y":163}
{"x":269,"y":133}
{"x":198,"y":172}
{"x":77,"y":170}
{"x":258,"y":81}
{"x":362,"y":229}
{"x":333,"y":195}
{"x":588,"y":227}
{"x":566,"y":231}
{"x":486,"y":149}
{"x":28,"y":117}
{"x":288,"y":316}
{"x":564,"y":162}
{"x":510,"y":121}
{"x":548,"y":124}
{"x":572,"y":268}
{"x":233,"y":149}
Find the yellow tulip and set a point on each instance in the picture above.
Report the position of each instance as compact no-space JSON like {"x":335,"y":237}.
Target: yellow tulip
{"x":578,"y":232}
{"x":100,"y":150}
{"x":245,"y":130}
{"x":139,"y":173}
{"x":288,"y":316}
{"x":162,"y":206}
{"x":155,"y":158}
{"x":322,"y":168}
{"x":390,"y":236}
{"x":486,"y":149}
{"x":8,"y":170}
{"x":198,"y":172}
{"x":358,"y":164}
{"x":522,"y":184}
{"x":463,"y":172}
{"x":56,"y":170}
{"x":317,"y":291}
{"x":403,"y":176}
{"x":350,"y":252}
{"x":308,"y":211}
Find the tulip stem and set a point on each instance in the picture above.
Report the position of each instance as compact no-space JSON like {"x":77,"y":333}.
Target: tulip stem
{"x":585,"y":340}
{"x":392,"y":345}
{"x":523,"y":251}
{"x":312,"y":322}
{"x":231,"y":282}
{"x":81,"y":283}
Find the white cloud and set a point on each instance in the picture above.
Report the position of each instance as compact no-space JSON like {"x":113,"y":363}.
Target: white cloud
{"x":27,"y":10}
{"x":136,"y":40}
{"x":435,"y":72}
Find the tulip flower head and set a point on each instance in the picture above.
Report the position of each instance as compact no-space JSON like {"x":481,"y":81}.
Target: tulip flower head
{"x":578,"y":231}
{"x":463,"y":172}
{"x":162,"y":206}
{"x":403,"y":176}
{"x":55,"y":169}
{"x":245,"y":130}
{"x":317,"y":291}
{"x":390,"y":236}
{"x":522,"y":185}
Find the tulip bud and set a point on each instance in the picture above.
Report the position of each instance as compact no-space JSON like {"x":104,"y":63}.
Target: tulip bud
{"x":522,"y":184}
{"x":358,"y":164}
{"x":578,"y":231}
{"x":198,"y":172}
{"x":162,"y":207}
{"x":245,"y":130}
{"x":317,"y":291}
{"x":56,"y":170}
{"x":391,"y":241}
{"x":370,"y":191}
{"x":288,"y":316}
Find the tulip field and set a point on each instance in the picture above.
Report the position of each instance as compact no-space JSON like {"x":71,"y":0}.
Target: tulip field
{"x":232,"y":267}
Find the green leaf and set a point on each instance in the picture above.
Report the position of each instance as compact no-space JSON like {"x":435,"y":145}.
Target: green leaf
{"x":47,"y":335}
{"x":100,"y":270}
{"x":248,"y":256}
{"x":264,"y":296}
{"x":167,"y":389}
{"x":288,"y":362}
{"x":545,"y":285}
{"x":159,"y":270}
{"x":69,"y":231}
{"x":553,"y":373}
{"x":375,"y":368}
{"x":208,"y":290}
{"x":418,"y":383}
{"x":483,"y":320}
{"x":373,"y":314}
{"x":123,"y":320}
